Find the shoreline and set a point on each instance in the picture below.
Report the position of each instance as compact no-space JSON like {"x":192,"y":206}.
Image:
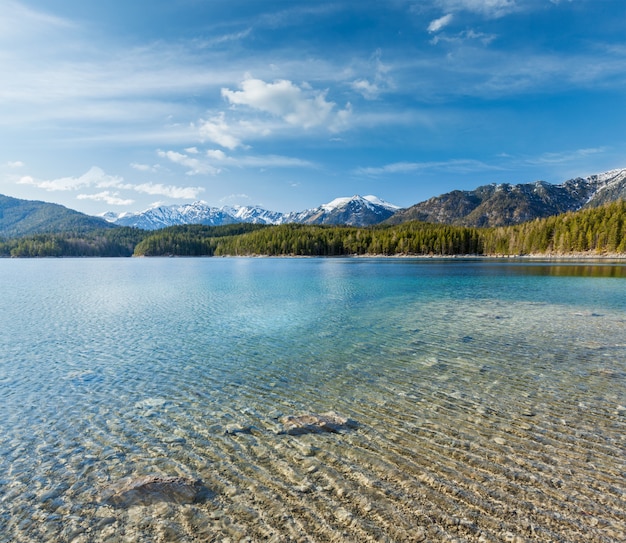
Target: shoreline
{"x":547,"y":257}
{"x":583,"y":257}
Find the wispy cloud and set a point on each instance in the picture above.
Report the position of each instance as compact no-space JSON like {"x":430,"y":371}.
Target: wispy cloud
{"x":170,"y":191}
{"x":110,"y":198}
{"x":234,"y":198}
{"x":16,"y":17}
{"x":372,"y":87}
{"x":487,"y":8}
{"x":94,"y":177}
{"x":144,"y":167}
{"x":297,"y":14}
{"x":223,"y":39}
{"x":270,"y":161}
{"x":438,"y":24}
{"x":218,"y":130}
{"x":97,"y":178}
{"x":194,"y":165}
{"x":213,"y":161}
{"x":566,"y":156}
{"x":454,"y":166}
{"x":14,"y":164}
{"x":463,"y":37}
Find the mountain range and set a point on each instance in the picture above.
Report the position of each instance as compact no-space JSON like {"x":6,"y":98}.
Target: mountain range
{"x":505,"y":204}
{"x":354,"y":211}
{"x":488,"y":205}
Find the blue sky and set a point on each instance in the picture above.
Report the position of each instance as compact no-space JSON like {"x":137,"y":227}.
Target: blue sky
{"x":121,"y":105}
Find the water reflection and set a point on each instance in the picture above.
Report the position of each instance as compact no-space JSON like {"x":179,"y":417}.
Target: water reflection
{"x":573,"y":269}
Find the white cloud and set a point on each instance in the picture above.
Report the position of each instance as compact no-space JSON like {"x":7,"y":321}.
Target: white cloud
{"x":342,"y":120}
{"x":108,"y":197}
{"x":455,"y":166}
{"x":566,"y":156}
{"x":18,"y":21}
{"x":216,"y":154}
{"x":438,"y":24}
{"x":168,"y":190}
{"x":488,"y":8}
{"x":218,"y":131}
{"x":195,"y":166}
{"x":272,"y":161}
{"x":372,"y":88}
{"x":26,"y":180}
{"x":465,"y":36}
{"x":367,"y":89}
{"x":217,"y":159}
{"x":234,"y":198}
{"x":285,"y":106}
{"x":95,"y":177}
{"x":14,"y":164}
{"x":225,"y":38}
{"x":298,"y":106}
{"x":143,"y":167}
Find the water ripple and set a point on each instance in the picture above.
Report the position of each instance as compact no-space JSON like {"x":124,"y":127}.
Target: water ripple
{"x":482,"y":416}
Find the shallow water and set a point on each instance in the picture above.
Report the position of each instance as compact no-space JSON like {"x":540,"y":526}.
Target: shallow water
{"x":490,"y":398}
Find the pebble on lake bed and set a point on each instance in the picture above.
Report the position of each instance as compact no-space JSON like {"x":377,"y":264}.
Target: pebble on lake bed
{"x":312,"y":423}
{"x":154,"y":489}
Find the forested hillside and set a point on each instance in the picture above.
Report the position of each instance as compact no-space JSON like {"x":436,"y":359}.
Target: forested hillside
{"x":119,"y":241}
{"x":28,"y":217}
{"x":190,"y":240}
{"x":596,"y":231}
{"x":310,"y":240}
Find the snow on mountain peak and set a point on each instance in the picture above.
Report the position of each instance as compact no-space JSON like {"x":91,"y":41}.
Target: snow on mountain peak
{"x":201,"y":213}
{"x":611,"y":175}
{"x":377,"y":201}
{"x":339,"y":203}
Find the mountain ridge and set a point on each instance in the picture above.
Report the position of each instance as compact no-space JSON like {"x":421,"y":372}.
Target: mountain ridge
{"x":353,"y":211}
{"x":505,"y":204}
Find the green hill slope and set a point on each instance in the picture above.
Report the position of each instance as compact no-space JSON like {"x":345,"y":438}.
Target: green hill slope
{"x":28,"y":217}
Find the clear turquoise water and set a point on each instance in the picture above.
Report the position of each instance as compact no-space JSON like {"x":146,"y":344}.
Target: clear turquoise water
{"x":490,"y":398}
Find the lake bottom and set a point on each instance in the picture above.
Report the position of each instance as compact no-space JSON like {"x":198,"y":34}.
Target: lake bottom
{"x":474,"y":421}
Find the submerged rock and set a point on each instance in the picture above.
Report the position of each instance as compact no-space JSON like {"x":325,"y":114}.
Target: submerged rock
{"x":312,"y":423}
{"x":154,"y":489}
{"x":151,"y":403}
{"x":234,"y":429}
{"x":608,"y":372}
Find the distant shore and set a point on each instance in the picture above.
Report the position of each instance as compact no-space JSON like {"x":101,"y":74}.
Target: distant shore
{"x":621,"y":257}
{"x":549,"y":257}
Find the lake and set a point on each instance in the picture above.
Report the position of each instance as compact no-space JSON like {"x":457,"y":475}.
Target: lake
{"x":486,"y":398}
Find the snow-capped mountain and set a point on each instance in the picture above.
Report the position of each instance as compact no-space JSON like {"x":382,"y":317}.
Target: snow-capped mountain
{"x":354,"y":211}
{"x":163,"y":216}
{"x":505,"y":204}
{"x":497,"y":204}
